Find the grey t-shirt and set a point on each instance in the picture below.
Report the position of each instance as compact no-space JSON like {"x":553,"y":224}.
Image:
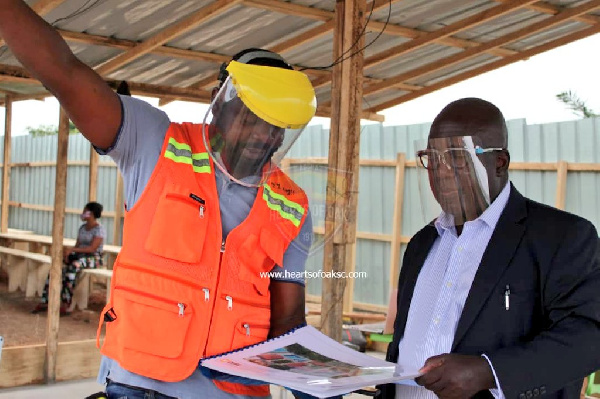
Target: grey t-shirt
{"x":136,"y":151}
{"x":85,"y":237}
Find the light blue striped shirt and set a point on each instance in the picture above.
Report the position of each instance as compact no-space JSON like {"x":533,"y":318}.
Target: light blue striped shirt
{"x":442,"y":289}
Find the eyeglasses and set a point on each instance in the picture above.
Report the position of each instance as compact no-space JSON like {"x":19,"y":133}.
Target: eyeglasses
{"x":451,"y":157}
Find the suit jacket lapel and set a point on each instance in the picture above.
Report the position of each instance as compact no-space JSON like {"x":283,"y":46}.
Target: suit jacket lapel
{"x":496,"y":258}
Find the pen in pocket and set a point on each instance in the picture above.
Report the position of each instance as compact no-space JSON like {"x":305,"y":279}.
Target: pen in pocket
{"x":507,"y":297}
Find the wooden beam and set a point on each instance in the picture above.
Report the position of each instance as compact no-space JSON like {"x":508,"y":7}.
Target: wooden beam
{"x":551,"y":9}
{"x":48,"y":208}
{"x":367,"y":115}
{"x":489,"y":67}
{"x":397,"y":220}
{"x":42,"y":7}
{"x":24,"y":97}
{"x":538,"y":166}
{"x":475,"y":51}
{"x":366,"y":235}
{"x":124,"y":44}
{"x":93,"y":174}
{"x":19,"y":74}
{"x":41,"y":164}
{"x":561,"y":185}
{"x":6,"y":162}
{"x":24,"y":365}
{"x":584,"y":167}
{"x":369,"y":307}
{"x":446,"y":31}
{"x":390,"y":29}
{"x":304,"y":37}
{"x":167,"y":34}
{"x":290,"y":9}
{"x":56,"y":250}
{"x":309,"y":12}
{"x":344,"y":142}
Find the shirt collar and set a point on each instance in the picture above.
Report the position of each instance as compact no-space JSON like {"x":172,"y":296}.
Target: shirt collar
{"x":248,"y":179}
{"x":490,"y":216}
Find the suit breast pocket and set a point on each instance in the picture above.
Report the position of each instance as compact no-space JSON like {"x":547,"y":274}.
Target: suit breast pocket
{"x":518,"y":304}
{"x":179,"y":225}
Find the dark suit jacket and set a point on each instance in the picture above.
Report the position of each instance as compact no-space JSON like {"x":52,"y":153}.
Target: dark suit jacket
{"x":549,"y":339}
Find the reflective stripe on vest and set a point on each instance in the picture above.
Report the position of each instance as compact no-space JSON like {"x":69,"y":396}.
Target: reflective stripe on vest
{"x":287,"y":209}
{"x":182,"y":153}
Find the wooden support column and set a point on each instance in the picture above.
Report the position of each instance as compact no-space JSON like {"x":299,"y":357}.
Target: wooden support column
{"x":397,"y":227}
{"x":561,"y":184}
{"x":93,"y":176}
{"x":6,"y":162}
{"x":344,"y":141}
{"x":349,"y":291}
{"x":56,"y":251}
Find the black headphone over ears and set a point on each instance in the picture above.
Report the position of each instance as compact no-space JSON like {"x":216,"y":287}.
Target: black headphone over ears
{"x":254,"y":56}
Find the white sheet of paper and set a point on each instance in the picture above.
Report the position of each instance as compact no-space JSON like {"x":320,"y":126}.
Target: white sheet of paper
{"x":311,"y":362}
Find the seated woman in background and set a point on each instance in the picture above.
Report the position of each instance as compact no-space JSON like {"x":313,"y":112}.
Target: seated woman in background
{"x":86,"y":254}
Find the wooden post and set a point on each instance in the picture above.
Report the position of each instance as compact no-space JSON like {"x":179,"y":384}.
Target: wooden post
{"x":93,"y":176}
{"x":286,"y":165}
{"x":561,"y":184}
{"x":344,"y":141}
{"x":349,"y":291}
{"x":6,"y":162}
{"x":397,"y":227}
{"x":118,"y":209}
{"x":56,"y":251}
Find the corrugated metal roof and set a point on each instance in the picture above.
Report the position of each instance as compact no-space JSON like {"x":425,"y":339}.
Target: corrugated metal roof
{"x":420,"y":38}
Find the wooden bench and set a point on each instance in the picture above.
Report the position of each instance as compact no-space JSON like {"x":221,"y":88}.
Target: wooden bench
{"x":359,"y":317}
{"x":26,"y":270}
{"x":81,"y":293}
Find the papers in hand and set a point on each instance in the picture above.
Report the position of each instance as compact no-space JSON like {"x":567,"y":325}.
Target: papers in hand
{"x":309,"y":361}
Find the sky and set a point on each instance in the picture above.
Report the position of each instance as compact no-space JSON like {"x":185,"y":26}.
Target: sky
{"x":526,"y":89}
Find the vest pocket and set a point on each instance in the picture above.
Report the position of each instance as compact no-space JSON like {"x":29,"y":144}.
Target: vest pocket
{"x":151,"y":324}
{"x":179,"y":225}
{"x":249,"y":332}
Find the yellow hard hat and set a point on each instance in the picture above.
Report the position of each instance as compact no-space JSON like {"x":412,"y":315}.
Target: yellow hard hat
{"x":281,"y":97}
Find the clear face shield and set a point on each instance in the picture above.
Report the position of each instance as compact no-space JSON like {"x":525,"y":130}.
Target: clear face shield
{"x":452,"y":176}
{"x":255,"y":118}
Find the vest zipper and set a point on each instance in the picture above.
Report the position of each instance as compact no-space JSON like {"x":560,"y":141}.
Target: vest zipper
{"x":206,"y":294}
{"x":212,"y":312}
{"x":247,"y":327}
{"x":185,"y":200}
{"x":229,"y":300}
{"x":180,"y":305}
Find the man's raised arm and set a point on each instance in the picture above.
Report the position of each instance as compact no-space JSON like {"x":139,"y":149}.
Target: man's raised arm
{"x":89,"y":101}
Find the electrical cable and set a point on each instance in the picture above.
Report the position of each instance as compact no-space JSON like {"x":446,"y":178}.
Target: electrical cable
{"x":84,"y":8}
{"x":338,"y":60}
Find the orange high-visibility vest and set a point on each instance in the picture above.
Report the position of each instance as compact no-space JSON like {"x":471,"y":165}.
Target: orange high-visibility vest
{"x":179,"y":292}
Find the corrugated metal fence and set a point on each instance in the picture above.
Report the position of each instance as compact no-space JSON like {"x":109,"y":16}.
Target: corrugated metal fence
{"x":539,"y":146}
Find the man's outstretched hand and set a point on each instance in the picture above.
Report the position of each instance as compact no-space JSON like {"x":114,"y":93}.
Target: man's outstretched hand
{"x":454,"y":376}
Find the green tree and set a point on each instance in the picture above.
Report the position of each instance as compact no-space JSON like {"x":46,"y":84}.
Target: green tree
{"x":49,"y":130}
{"x":575,"y":104}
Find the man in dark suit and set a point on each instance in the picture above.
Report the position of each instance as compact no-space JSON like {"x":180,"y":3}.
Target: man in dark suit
{"x":500,"y":295}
